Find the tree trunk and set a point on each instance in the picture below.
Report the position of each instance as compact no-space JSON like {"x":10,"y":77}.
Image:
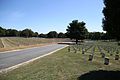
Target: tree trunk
{"x":76,"y":41}
{"x":118,"y":43}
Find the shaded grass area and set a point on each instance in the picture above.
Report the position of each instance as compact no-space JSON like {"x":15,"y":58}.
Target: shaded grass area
{"x":101,"y":75}
{"x":62,"y":65}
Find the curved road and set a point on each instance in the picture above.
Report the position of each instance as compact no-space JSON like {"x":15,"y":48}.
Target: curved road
{"x":8,"y":59}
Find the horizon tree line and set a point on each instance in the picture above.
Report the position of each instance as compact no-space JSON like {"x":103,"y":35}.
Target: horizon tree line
{"x":52,"y":34}
{"x":29,"y":33}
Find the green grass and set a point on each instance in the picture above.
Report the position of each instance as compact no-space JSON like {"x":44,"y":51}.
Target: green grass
{"x":61,"y":65}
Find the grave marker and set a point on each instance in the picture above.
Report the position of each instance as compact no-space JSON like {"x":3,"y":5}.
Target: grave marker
{"x":90,"y":57}
{"x":69,"y":49}
{"x":116,"y":57}
{"x":83,"y":52}
{"x":106,"y":61}
{"x":75,"y":50}
{"x":111,"y":54}
{"x":103,"y":55}
{"x":117,"y":52}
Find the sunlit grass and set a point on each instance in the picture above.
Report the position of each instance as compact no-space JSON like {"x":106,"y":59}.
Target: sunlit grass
{"x":13,"y":43}
{"x":62,"y":65}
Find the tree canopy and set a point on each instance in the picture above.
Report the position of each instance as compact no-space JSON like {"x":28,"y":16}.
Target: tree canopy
{"x":96,"y":36}
{"x":52,"y":34}
{"x":16,"y":33}
{"x":111,"y":22}
{"x":29,"y":33}
{"x":2,"y":32}
{"x":76,"y":30}
{"x":61,"y":35}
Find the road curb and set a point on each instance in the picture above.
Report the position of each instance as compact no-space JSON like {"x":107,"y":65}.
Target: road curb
{"x":27,"y":62}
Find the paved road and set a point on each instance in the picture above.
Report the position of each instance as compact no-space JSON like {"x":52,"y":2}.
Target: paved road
{"x":9,"y":59}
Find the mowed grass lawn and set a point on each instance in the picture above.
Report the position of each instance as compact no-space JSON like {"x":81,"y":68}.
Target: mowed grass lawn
{"x":61,"y":65}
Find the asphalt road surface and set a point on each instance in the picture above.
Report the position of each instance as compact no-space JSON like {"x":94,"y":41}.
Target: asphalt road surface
{"x":9,"y":59}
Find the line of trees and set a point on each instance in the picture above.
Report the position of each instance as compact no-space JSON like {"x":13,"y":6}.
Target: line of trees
{"x":89,"y":35}
{"x":97,"y":36}
{"x":52,"y":34}
{"x":29,"y":33}
{"x":15,"y":33}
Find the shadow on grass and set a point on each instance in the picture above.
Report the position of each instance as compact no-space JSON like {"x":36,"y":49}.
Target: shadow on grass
{"x":100,"y":75}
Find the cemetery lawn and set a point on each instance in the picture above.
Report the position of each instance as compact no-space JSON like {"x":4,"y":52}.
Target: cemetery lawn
{"x":61,"y":65}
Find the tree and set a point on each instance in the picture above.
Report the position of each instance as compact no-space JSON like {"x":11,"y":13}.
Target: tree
{"x":35,"y":34}
{"x":95,"y":35}
{"x":42,"y":35}
{"x":27,"y":33}
{"x":2,"y":32}
{"x":111,"y":22}
{"x":105,"y":36}
{"x":12,"y":32}
{"x":52,"y":34}
{"x":76,"y":30}
{"x":61,"y":35}
{"x":16,"y":33}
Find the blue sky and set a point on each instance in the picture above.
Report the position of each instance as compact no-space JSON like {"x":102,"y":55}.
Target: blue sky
{"x":49,"y":15}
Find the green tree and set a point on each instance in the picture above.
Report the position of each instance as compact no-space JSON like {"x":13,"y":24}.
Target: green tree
{"x":95,"y":35}
{"x":35,"y":34}
{"x":52,"y":34}
{"x":111,"y":22}
{"x":61,"y":35}
{"x":42,"y":35}
{"x":12,"y":32}
{"x":27,"y":33}
{"x":76,"y":30}
{"x":2,"y":32}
